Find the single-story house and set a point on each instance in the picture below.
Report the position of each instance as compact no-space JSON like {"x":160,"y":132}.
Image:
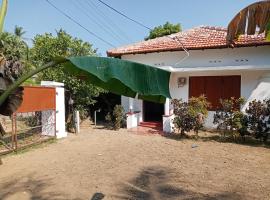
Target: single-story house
{"x":201,"y":62}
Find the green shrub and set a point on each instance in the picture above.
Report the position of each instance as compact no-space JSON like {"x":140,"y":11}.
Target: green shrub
{"x":33,"y":120}
{"x":183,"y":120}
{"x":255,"y":122}
{"x":117,"y":118}
{"x":84,"y":114}
{"x":229,"y":119}
{"x":108,"y":119}
{"x":198,"y":108}
{"x":190,"y":115}
{"x":258,"y":114}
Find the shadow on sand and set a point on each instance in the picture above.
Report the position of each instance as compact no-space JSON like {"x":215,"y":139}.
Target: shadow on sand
{"x":29,"y":188}
{"x":154,"y":183}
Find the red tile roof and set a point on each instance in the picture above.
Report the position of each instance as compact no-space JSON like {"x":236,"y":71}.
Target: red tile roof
{"x":203,"y":37}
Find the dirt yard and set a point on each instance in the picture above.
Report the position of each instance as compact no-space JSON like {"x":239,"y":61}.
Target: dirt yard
{"x":122,"y":165}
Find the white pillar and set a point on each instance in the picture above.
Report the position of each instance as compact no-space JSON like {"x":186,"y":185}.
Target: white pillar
{"x":168,"y":123}
{"x":60,"y":107}
{"x":167,"y":107}
{"x":168,"y":117}
{"x":130,"y":103}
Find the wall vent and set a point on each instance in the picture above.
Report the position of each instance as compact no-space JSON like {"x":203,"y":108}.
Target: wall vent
{"x":215,"y":61}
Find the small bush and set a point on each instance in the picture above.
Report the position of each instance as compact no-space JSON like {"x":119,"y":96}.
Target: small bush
{"x":258,"y":114}
{"x":198,"y":108}
{"x":84,"y":114}
{"x":229,"y":119}
{"x":190,"y":115}
{"x":183,"y":120}
{"x":33,"y":120}
{"x":117,"y":118}
{"x":255,"y":122}
{"x":108,"y":118}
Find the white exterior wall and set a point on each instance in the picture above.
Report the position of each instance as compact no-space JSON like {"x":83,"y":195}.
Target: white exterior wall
{"x":256,"y":59}
{"x":136,"y":104}
{"x":252,"y":56}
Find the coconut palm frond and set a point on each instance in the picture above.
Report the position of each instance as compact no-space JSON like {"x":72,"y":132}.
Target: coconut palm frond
{"x":18,"y":31}
{"x":252,"y":19}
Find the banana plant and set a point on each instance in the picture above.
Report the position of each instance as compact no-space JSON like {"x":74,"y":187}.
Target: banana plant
{"x":11,"y":92}
{"x":3,"y":12}
{"x":118,"y":76}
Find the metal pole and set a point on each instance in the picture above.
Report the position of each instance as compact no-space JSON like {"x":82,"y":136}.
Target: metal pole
{"x":95,"y":116}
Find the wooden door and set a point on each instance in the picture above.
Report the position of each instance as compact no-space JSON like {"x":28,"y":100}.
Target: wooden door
{"x":215,"y":88}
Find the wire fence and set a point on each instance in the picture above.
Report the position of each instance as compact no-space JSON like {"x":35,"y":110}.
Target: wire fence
{"x":25,"y":129}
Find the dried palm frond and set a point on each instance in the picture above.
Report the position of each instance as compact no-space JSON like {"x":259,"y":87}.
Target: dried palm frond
{"x":10,"y":71}
{"x":12,"y":103}
{"x":247,"y":21}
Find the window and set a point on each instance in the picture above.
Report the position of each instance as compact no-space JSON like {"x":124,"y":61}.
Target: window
{"x":215,"y":88}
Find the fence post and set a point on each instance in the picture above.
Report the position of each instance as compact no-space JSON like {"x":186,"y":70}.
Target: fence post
{"x":77,"y":121}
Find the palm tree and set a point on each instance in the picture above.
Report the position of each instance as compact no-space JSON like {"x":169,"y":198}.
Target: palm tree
{"x":255,"y":17}
{"x":18,"y":31}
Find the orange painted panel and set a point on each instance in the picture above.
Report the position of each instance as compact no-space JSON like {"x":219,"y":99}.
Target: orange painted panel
{"x":37,"y":99}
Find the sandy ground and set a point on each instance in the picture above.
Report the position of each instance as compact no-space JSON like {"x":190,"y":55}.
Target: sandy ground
{"x":122,"y":165}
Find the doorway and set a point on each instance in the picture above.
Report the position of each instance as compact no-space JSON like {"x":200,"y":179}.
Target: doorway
{"x":152,"y":112}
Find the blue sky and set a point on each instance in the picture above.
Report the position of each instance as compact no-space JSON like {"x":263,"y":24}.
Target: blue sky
{"x":38,"y":17}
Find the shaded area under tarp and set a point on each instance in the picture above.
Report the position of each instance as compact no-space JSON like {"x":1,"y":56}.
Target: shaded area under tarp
{"x":122,"y":77}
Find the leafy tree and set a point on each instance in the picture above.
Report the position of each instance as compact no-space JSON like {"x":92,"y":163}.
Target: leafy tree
{"x":12,"y":66}
{"x":46,"y":47}
{"x":166,"y":29}
{"x":12,"y":47}
{"x":12,"y":52}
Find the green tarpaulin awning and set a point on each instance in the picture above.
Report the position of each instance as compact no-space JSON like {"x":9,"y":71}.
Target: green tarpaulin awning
{"x":122,"y":77}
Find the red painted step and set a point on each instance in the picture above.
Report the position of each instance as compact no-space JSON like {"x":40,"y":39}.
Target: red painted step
{"x":151,"y":124}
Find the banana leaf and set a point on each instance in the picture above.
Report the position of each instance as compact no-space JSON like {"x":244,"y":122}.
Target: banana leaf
{"x":118,"y":76}
{"x":122,"y":77}
{"x":3,"y":12}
